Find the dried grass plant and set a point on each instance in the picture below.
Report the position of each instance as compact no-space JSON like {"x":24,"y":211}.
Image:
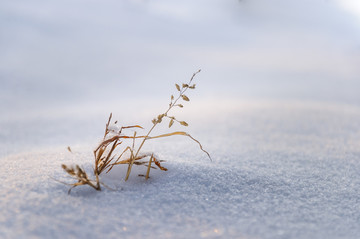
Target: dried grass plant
{"x":109,"y":152}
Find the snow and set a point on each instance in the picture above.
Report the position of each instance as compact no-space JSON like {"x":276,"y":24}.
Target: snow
{"x":279,"y":170}
{"x":277,"y":106}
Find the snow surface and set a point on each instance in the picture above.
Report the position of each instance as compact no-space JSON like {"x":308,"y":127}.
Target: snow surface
{"x":279,"y":170}
{"x":285,"y":168}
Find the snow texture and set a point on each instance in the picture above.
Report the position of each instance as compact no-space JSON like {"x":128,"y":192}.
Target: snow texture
{"x":278,"y":171}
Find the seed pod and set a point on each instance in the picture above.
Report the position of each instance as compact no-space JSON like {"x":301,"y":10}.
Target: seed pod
{"x":183,"y":123}
{"x":160,"y":117}
{"x":177,"y":87}
{"x":185,"y":98}
{"x":171,"y":122}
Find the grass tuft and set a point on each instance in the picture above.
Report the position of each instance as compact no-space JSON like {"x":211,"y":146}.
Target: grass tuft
{"x":111,"y":152}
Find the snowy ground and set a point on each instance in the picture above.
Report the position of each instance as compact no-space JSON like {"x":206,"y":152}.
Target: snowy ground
{"x":277,"y":105}
{"x":279,"y":170}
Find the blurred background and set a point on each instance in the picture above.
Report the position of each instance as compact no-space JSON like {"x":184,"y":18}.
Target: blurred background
{"x":72,"y":56}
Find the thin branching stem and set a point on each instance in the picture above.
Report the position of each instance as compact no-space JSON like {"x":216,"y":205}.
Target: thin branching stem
{"x":172,"y":104}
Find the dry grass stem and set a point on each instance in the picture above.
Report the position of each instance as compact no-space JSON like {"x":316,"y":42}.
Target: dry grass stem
{"x":149,"y":166}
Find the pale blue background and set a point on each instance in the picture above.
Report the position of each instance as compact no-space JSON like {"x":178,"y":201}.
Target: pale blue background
{"x":62,"y":53}
{"x":277,"y":106}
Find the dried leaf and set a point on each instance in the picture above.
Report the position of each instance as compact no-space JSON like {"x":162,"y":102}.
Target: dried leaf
{"x":185,"y":98}
{"x":159,"y":165}
{"x":177,"y":87}
{"x":180,"y":105}
{"x":133,"y":126}
{"x":185,"y":85}
{"x":184,"y":134}
{"x":192,"y":86}
{"x":68,"y":148}
{"x":172,"y":97}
